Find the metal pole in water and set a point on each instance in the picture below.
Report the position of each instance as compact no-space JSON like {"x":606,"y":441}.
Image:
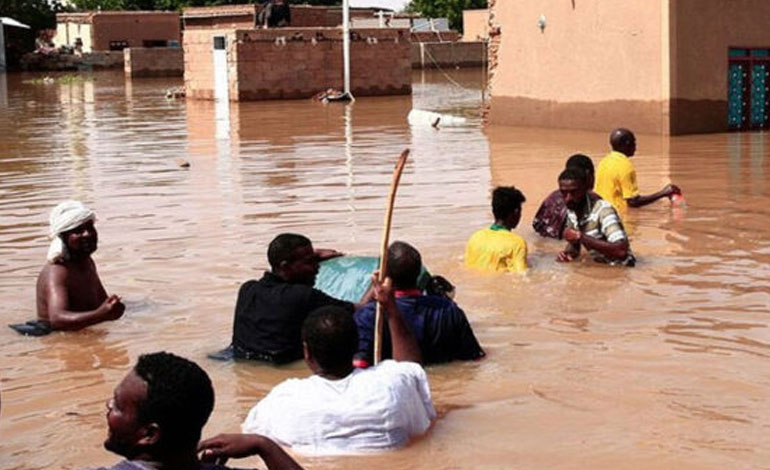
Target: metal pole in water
{"x":346,"y":45}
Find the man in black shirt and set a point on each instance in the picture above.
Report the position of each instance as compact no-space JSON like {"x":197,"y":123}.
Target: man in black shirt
{"x":269,"y":312}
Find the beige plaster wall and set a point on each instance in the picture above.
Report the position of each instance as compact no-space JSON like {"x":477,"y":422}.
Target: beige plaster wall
{"x":475,"y":25}
{"x":596,"y":65}
{"x":702,"y":31}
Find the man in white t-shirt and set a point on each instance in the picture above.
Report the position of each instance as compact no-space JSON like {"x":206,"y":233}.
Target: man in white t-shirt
{"x":343,"y":410}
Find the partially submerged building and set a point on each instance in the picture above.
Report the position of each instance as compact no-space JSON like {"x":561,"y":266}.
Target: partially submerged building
{"x":117,"y":30}
{"x":244,"y":16}
{"x":13,"y":24}
{"x":291,"y":63}
{"x":655,"y":66}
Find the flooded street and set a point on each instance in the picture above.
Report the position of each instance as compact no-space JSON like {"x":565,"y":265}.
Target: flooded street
{"x":663,"y":366}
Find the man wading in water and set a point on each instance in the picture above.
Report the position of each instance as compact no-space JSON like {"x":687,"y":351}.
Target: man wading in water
{"x":591,"y":223}
{"x":156,"y":416}
{"x":70,"y":295}
{"x":616,"y":175}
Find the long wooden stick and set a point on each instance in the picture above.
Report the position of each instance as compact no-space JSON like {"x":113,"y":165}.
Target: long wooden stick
{"x":384,"y":251}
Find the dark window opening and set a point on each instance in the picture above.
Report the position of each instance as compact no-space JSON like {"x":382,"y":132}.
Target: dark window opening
{"x":154,"y":43}
{"x":219,"y":43}
{"x":118,"y":45}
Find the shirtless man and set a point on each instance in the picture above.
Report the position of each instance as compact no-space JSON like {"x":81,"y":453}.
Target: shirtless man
{"x":70,"y":295}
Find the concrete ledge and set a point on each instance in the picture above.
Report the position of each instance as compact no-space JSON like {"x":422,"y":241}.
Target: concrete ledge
{"x":448,"y":54}
{"x":154,"y":62}
{"x":60,"y":62}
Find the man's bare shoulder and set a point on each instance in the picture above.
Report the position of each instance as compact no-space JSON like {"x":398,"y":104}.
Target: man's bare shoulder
{"x":53,"y":272}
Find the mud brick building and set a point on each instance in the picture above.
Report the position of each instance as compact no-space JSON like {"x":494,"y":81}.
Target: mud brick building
{"x":290,"y":63}
{"x":656,"y":66}
{"x":244,"y":16}
{"x":117,"y":30}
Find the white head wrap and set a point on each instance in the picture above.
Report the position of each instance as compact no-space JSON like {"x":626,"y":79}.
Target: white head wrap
{"x":65,"y":216}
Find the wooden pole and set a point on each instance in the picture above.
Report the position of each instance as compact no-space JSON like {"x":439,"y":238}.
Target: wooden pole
{"x":378,"y":323}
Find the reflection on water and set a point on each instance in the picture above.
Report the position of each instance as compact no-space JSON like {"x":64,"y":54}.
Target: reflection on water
{"x":661,"y":366}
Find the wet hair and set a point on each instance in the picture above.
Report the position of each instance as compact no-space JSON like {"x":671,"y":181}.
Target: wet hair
{"x":439,"y":285}
{"x":573,"y":174}
{"x":331,"y":337}
{"x":180,"y":398}
{"x":404,"y":265}
{"x":582,"y":162}
{"x":282,"y":247}
{"x":505,"y":200}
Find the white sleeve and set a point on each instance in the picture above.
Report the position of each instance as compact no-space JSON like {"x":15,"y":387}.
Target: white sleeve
{"x":262,"y":417}
{"x":418,"y":380}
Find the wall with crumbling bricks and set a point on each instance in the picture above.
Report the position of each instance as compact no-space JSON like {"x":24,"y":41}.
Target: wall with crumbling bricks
{"x":153,"y":62}
{"x":291,"y":63}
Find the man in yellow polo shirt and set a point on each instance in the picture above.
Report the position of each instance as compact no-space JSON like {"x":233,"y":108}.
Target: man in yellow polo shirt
{"x":616,"y":175}
{"x":496,"y":248}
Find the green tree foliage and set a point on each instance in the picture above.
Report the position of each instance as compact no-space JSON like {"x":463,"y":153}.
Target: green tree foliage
{"x":38,"y":14}
{"x":450,"y":9}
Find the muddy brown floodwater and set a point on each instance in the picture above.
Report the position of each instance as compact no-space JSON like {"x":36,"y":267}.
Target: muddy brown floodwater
{"x":666,"y":365}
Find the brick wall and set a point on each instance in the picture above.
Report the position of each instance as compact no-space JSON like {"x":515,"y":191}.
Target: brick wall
{"x":220,"y":17}
{"x":154,"y":62}
{"x":430,"y":36}
{"x":134,"y":27}
{"x":304,"y":62}
{"x":199,"y":62}
{"x":305,"y":16}
{"x":449,"y":54}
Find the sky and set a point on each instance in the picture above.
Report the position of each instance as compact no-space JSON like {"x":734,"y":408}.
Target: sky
{"x":397,"y":5}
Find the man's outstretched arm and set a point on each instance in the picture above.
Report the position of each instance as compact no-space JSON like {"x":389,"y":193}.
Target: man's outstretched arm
{"x":641,"y":200}
{"x":220,"y":448}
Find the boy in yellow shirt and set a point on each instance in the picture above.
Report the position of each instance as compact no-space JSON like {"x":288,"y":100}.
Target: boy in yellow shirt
{"x":496,"y":248}
{"x":616,"y":175}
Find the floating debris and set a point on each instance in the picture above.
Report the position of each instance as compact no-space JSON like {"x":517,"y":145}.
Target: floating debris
{"x":182,"y":163}
{"x":332,"y":95}
{"x":63,"y":79}
{"x":175,"y":93}
{"x":419,"y":117}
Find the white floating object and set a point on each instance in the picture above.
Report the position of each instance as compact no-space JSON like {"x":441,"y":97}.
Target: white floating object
{"x":419,"y":117}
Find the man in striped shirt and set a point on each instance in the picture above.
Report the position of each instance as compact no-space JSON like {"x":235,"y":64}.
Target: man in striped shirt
{"x":591,"y":223}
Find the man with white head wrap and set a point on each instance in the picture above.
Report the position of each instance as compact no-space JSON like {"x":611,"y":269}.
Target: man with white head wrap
{"x":70,"y":295}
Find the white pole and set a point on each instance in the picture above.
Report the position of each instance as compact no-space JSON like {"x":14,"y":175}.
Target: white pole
{"x":346,"y":44}
{"x":2,"y":48}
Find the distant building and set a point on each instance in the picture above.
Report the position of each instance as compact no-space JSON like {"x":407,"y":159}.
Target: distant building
{"x":655,"y":66}
{"x":293,"y":63}
{"x":116,"y":30}
{"x":244,"y":16}
{"x":10,"y":23}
